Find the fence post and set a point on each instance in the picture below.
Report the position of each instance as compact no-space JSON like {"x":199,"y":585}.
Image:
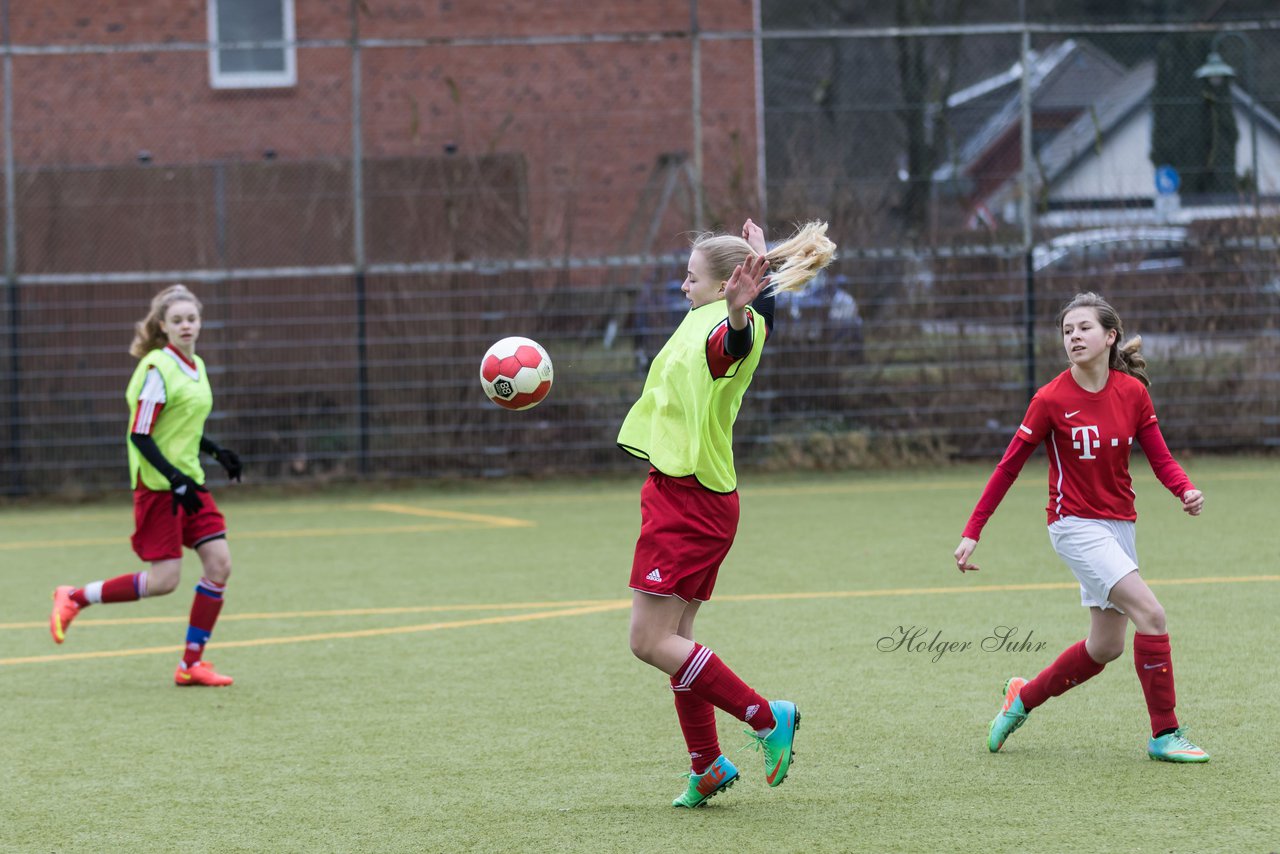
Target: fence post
{"x":18,"y":487}
{"x":1028,"y":260}
{"x":762,"y":186}
{"x":695,"y":97}
{"x":357,"y":238}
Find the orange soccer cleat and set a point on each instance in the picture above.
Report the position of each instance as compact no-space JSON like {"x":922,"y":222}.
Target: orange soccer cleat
{"x":200,"y":673}
{"x":64,"y":611}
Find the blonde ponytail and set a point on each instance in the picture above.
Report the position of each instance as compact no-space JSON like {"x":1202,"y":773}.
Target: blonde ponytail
{"x":793,"y":263}
{"x":802,"y":256}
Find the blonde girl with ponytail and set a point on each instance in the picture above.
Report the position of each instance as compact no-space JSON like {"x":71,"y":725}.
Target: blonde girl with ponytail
{"x":682,"y":425}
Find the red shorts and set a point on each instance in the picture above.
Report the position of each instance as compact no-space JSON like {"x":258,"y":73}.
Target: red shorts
{"x":159,"y":534}
{"x":685,"y":532}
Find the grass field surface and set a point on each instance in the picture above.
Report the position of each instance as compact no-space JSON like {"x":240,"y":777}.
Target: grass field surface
{"x":446,"y":669}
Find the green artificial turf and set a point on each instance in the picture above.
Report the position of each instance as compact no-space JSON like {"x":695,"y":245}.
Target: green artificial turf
{"x":446,"y":669}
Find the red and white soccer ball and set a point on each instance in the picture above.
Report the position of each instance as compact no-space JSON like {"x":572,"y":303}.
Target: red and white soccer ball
{"x":516,"y":373}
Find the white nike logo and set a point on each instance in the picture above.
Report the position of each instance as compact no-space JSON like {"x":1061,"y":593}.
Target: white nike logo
{"x":1077,"y":412}
{"x":1154,"y":666}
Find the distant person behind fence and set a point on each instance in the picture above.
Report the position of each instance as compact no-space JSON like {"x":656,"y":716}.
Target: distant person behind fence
{"x":169,"y":399}
{"x":683,"y":425}
{"x":1089,"y":417}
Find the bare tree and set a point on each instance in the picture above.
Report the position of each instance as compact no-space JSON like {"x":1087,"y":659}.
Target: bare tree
{"x":926,"y":73}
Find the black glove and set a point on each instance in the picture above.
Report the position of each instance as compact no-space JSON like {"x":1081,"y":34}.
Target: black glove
{"x":186,"y":492}
{"x":230,"y":461}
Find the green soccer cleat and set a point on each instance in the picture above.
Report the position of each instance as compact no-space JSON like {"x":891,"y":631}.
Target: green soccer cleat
{"x":719,"y":776}
{"x":1011,"y":715}
{"x":777,"y":745}
{"x":1174,"y":747}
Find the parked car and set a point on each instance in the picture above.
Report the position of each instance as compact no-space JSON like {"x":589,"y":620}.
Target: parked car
{"x":1116,"y":250}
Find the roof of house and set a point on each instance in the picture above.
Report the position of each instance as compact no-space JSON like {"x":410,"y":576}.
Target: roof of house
{"x":1065,"y":76}
{"x":1129,"y":95}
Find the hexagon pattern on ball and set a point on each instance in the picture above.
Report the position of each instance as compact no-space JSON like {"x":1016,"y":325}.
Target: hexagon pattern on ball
{"x":516,"y":373}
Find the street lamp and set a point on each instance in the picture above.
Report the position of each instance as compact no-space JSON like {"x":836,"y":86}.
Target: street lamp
{"x":1216,"y":70}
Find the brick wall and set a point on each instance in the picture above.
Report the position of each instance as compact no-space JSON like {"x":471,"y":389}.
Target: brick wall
{"x":589,"y":120}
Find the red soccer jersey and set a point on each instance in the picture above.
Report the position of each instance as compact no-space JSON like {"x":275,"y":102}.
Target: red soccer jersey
{"x":1089,"y":436}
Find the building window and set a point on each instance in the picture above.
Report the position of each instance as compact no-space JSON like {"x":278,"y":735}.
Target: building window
{"x":233,"y":21}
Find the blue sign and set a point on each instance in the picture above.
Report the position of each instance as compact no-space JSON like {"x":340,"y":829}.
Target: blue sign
{"x":1167,"y":180}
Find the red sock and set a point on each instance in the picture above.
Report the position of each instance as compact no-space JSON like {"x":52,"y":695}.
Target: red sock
{"x":708,"y":677}
{"x":1074,"y":666}
{"x":204,"y":614}
{"x":698,"y":723}
{"x":122,"y":588}
{"x":1153,"y":660}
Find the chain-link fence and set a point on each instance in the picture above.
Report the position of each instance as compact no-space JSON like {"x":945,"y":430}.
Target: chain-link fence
{"x":359,"y":238}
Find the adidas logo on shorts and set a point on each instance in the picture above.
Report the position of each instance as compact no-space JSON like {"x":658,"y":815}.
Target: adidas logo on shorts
{"x":654,"y":576}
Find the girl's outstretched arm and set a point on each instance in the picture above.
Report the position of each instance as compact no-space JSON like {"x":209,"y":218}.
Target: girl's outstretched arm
{"x":1007,"y":470}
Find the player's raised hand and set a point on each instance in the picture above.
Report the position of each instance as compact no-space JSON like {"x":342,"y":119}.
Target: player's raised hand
{"x":747,"y":281}
{"x":754,"y":235}
{"x":1192,"y":502}
{"x":964,"y":551}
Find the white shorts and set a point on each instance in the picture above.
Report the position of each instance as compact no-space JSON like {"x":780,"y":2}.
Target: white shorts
{"x":1099,"y":552}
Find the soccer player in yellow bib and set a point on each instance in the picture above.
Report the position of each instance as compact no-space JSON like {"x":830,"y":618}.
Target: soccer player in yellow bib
{"x":683,"y":425}
{"x":169,"y":399}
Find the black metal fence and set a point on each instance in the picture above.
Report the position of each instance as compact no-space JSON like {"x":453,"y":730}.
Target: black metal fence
{"x":921,"y":343}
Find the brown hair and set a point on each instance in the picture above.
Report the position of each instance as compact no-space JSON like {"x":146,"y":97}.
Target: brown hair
{"x":147,"y":334}
{"x":1126,"y":357}
{"x":793,"y":263}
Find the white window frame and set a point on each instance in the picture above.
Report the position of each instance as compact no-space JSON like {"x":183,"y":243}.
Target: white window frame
{"x":220,"y":79}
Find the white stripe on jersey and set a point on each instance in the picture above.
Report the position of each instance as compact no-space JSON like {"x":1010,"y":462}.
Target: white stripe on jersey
{"x":1057,"y":457}
{"x":150,"y":400}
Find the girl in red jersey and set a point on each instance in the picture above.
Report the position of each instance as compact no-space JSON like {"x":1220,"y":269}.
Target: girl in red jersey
{"x":169,"y":399}
{"x":683,"y":425}
{"x":1088,"y":418}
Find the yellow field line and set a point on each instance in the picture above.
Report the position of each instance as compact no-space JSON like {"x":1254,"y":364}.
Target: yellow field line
{"x":631,"y":493}
{"x":498,"y":521}
{"x":362,"y":633}
{"x":590,"y":606}
{"x":342,"y":612}
{"x":613,"y":603}
{"x":978,"y":588}
{"x":297,"y":533}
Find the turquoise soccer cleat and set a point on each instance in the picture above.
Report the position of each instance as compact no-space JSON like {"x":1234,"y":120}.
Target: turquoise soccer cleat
{"x":1174,"y":747}
{"x":777,"y":745}
{"x":719,"y":776}
{"x":1011,"y":715}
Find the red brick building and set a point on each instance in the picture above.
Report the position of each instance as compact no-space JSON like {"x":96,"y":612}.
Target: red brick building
{"x":501,"y":146}
{"x":515,"y":128}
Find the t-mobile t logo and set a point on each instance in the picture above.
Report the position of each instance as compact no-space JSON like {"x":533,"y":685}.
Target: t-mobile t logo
{"x":1085,"y":439}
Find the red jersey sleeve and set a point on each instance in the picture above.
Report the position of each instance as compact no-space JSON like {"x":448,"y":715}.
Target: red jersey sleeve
{"x":1036,"y":424}
{"x":718,"y":361}
{"x":1162,"y":462}
{"x":1007,"y":470}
